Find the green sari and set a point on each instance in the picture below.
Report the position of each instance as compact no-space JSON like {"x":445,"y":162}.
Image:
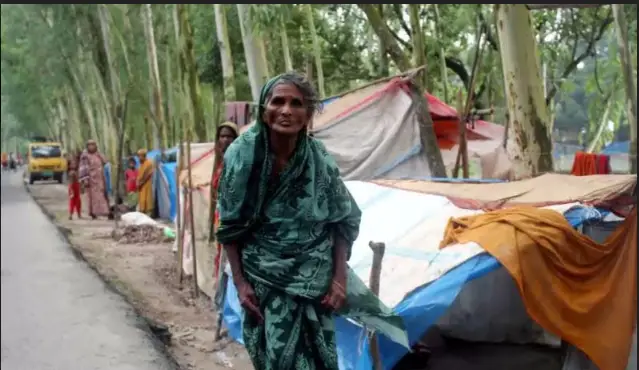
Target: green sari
{"x":286,"y":226}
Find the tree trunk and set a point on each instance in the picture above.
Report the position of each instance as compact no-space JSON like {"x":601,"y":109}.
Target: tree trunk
{"x":286,"y":49}
{"x":225,"y":53}
{"x":170,"y":102}
{"x":428,"y":139}
{"x":251,"y":52}
{"x":381,"y":29}
{"x":529,"y":143}
{"x":442,"y":54}
{"x":419,"y":57}
{"x":602,"y":124}
{"x":186,"y":33}
{"x":383,"y":56}
{"x":266,"y":70}
{"x":154,"y":72}
{"x":629,"y":80}
{"x":317,"y":51}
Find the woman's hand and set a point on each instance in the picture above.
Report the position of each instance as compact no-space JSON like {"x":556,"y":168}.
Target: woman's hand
{"x":248,"y":300}
{"x":336,"y":295}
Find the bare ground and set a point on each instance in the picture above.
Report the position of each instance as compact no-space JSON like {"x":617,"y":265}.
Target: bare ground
{"x":146,"y":274}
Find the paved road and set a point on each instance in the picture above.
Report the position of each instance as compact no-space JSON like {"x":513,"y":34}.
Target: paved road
{"x":56,"y":312}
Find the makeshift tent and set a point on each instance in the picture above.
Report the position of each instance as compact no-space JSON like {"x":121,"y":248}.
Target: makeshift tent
{"x":460,"y":297}
{"x":202,"y":161}
{"x":373,"y":132}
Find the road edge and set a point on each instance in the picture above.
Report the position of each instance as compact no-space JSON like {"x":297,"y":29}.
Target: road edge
{"x":141,"y":321}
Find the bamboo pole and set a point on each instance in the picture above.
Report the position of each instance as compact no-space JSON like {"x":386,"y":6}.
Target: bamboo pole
{"x":180,"y":213}
{"x":374,"y":282}
{"x":189,"y":194}
{"x":465,"y":113}
{"x":213,"y":196}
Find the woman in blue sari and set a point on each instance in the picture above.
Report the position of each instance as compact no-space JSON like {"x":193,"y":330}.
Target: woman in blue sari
{"x":287,"y":223}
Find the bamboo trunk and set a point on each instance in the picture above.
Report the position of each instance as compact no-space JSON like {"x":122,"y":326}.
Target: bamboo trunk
{"x":180,"y":216}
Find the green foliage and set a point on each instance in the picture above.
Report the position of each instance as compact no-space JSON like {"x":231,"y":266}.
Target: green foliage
{"x":55,"y":76}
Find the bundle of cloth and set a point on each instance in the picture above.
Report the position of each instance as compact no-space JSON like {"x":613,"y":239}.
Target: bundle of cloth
{"x":590,"y":164}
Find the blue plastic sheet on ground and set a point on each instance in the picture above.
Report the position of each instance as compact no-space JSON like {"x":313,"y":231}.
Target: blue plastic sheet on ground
{"x":419,"y":310}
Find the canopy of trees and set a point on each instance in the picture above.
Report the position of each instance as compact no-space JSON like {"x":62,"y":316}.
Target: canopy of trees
{"x":145,"y":75}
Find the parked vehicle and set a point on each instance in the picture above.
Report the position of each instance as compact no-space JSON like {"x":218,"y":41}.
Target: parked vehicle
{"x":46,"y":162}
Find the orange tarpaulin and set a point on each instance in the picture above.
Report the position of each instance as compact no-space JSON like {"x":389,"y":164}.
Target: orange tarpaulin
{"x":573,"y":287}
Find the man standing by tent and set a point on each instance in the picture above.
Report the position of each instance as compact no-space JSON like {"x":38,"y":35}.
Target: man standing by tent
{"x":144,"y":184}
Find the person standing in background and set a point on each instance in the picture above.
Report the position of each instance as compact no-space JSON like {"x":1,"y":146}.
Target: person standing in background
{"x":131,"y":178}
{"x":92,"y":177}
{"x":75,"y":199}
{"x":144,"y":184}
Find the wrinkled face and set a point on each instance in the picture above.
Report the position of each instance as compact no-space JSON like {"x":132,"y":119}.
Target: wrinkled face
{"x":91,"y":147}
{"x":285,"y":112}
{"x":225,"y":138}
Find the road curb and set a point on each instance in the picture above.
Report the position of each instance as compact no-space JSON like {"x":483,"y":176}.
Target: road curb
{"x":141,"y":321}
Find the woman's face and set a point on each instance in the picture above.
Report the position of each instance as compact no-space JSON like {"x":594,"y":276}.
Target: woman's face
{"x":91,"y":147}
{"x":286,"y":112}
{"x":225,"y":138}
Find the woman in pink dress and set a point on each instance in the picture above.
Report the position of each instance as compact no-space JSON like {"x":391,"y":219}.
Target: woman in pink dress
{"x":92,"y":176}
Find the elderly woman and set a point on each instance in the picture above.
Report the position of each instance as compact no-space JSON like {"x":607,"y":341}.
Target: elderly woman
{"x":92,"y":176}
{"x":287,"y":224}
{"x":144,"y":184}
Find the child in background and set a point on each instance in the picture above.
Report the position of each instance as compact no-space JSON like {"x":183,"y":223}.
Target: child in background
{"x":131,"y":176}
{"x":75,"y":201}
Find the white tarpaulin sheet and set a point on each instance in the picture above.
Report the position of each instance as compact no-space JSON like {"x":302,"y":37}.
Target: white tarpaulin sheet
{"x":411,"y":225}
{"x":379,"y":138}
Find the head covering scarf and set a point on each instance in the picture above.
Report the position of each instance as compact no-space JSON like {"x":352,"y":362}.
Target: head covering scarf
{"x":230,"y":125}
{"x":142,"y":151}
{"x":286,"y":227}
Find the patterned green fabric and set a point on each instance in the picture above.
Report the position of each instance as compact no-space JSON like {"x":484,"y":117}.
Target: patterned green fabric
{"x":285,"y":225}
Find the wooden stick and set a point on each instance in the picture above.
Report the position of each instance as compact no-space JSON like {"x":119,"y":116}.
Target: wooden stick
{"x":470,"y":98}
{"x":374,"y":282}
{"x":222,"y":280}
{"x":213,"y":198}
{"x":482,"y":112}
{"x":180,"y":216}
{"x":196,"y":289}
{"x":410,"y":72}
{"x":461,"y":126}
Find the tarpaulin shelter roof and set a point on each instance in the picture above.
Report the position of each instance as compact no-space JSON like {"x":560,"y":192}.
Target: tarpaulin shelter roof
{"x":422,"y":282}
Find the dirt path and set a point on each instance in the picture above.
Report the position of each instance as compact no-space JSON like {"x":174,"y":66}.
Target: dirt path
{"x":146,"y":274}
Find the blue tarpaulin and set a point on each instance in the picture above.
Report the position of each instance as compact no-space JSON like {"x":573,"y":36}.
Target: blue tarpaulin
{"x":617,"y":147}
